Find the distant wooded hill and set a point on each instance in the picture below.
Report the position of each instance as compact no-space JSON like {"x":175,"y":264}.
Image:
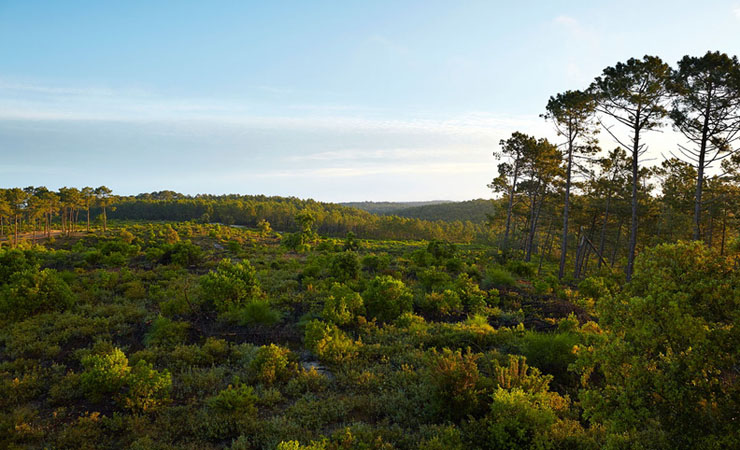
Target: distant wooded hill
{"x":390,"y":208}
{"x":472,"y":210}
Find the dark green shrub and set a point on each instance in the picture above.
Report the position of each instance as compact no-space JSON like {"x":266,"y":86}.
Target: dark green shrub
{"x":434,"y":279}
{"x":166,"y":332}
{"x":496,"y":276}
{"x":235,"y":399}
{"x":441,"y":249}
{"x":521,"y":268}
{"x":345,"y":266}
{"x":258,"y":312}
{"x":31,"y":292}
{"x":552,"y":353}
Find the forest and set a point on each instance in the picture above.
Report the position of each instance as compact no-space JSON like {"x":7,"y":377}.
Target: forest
{"x":593,"y":303}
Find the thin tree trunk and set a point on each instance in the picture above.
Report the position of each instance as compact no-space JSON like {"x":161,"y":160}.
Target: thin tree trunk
{"x":700,"y":170}
{"x":724,"y":228}
{"x":511,"y":205}
{"x":542,"y":249}
{"x":566,"y":208}
{"x":633,"y":225}
{"x":532,"y":227}
{"x":603,"y":227}
{"x":616,"y":241}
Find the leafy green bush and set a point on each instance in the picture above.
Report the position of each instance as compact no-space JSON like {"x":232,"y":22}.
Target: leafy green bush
{"x":272,"y":364}
{"x":257,"y":312}
{"x":146,"y":389}
{"x":455,"y":379}
{"x":240,"y":399}
{"x":386,"y":298}
{"x":329,"y":342}
{"x":521,"y":268}
{"x":671,"y":342}
{"x":166,"y":332}
{"x":552,"y":353}
{"x":230,"y":286}
{"x":104,"y":373}
{"x":441,"y":303}
{"x":345,"y":266}
{"x":30,"y":292}
{"x":434,"y":279}
{"x":496,"y":276}
{"x":342,"y":305}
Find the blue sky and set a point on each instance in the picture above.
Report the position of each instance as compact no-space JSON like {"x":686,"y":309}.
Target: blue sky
{"x":336,"y":101}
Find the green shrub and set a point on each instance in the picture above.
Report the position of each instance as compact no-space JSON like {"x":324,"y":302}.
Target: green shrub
{"x":329,"y":342}
{"x":386,"y":298}
{"x":434,"y":279}
{"x":521,"y":268}
{"x":166,"y":332}
{"x":441,"y":303}
{"x":31,"y":292}
{"x":104,"y":373}
{"x":230,"y":286}
{"x":272,"y":364}
{"x":496,"y":276}
{"x":342,"y":305}
{"x":345,"y":266}
{"x":147,"y":389}
{"x":240,"y":399}
{"x":552,"y":353}
{"x":455,"y":379}
{"x":258,"y":312}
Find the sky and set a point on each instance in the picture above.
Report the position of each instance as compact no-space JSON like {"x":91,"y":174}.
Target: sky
{"x":336,"y":101}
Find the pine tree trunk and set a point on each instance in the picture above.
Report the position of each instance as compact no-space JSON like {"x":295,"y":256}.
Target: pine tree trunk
{"x":633,"y":224}
{"x":566,"y":208}
{"x":603,"y":228}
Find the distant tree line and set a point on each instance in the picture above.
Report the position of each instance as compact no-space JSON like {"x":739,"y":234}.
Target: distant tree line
{"x":597,"y":202}
{"x":37,"y":210}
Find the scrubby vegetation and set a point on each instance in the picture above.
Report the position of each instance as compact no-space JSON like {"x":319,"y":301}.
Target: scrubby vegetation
{"x":235,"y":340}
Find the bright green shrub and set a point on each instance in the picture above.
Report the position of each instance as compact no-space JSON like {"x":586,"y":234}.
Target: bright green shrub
{"x":329,"y":342}
{"x":272,"y":364}
{"x":146,"y":389}
{"x":517,"y":420}
{"x":230,"y":286}
{"x":342,"y":305}
{"x":671,"y":345}
{"x":240,"y":398}
{"x":441,"y":303}
{"x":386,"y":298}
{"x":104,"y":373}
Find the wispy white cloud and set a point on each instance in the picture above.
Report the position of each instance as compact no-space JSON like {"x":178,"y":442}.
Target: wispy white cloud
{"x":566,"y":21}
{"x":736,"y":11}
